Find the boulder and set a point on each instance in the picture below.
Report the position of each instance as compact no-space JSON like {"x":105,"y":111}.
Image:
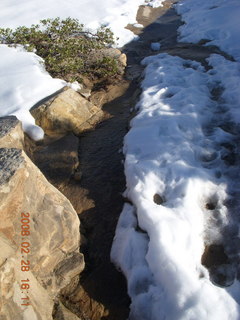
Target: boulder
{"x":114,"y":53}
{"x":11,"y":133}
{"x":39,"y":239}
{"x":68,"y":112}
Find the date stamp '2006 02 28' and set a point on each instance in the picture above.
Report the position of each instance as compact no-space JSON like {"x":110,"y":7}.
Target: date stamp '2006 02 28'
{"x":25,"y":250}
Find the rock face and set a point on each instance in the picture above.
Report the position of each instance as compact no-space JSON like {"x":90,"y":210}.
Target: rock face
{"x":68,"y":112}
{"x":11,"y":133}
{"x":39,"y":239}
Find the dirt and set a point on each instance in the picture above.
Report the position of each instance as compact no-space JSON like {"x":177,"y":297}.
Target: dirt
{"x":96,"y":191}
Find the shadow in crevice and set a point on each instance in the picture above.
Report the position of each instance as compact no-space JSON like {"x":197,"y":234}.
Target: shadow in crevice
{"x":101,"y":161}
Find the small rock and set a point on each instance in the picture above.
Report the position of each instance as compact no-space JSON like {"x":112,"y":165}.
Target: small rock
{"x":114,"y":53}
{"x":158,"y":199}
{"x":214,"y":255}
{"x":77,"y":175}
{"x":86,"y":93}
{"x":210,"y":206}
{"x":123,"y":59}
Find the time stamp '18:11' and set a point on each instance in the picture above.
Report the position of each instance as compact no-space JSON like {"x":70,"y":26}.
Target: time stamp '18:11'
{"x":25,"y":250}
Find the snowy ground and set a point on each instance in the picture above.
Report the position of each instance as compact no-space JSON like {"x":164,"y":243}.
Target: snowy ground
{"x":23,"y":80}
{"x":213,"y":20}
{"x":182,"y":170}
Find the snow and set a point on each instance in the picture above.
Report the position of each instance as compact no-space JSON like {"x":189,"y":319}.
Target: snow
{"x":175,"y":149}
{"x":155,"y":46}
{"x":116,"y":14}
{"x":138,"y":25}
{"x":24,"y":81}
{"x":214,"y":20}
{"x":155,"y":3}
{"x":182,"y":149}
{"x":75,"y":86}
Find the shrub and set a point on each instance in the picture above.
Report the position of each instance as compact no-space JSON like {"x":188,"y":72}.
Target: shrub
{"x":69,"y":51}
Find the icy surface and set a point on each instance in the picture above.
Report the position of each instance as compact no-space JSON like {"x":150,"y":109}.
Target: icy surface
{"x":175,"y":167}
{"x":214,"y":20}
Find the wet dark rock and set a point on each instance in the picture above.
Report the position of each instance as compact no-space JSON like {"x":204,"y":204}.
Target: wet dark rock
{"x":214,"y":255}
{"x":221,"y":271}
{"x":210,"y":206}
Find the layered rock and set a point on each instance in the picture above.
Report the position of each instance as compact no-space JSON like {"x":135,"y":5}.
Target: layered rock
{"x":11,"y":133}
{"x":39,"y":237}
{"x":68,"y":112}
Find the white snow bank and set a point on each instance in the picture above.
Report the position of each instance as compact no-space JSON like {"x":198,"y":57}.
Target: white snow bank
{"x":24,"y":82}
{"x":214,"y":20}
{"x":175,"y":150}
{"x":115,"y":14}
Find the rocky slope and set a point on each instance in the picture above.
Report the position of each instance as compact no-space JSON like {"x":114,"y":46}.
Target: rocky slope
{"x":39,"y":234}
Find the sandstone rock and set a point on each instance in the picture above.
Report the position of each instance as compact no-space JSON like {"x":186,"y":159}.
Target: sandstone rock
{"x":68,"y":112}
{"x":11,"y":134}
{"x":86,"y":93}
{"x":123,"y":59}
{"x":120,"y":57}
{"x":47,"y":257}
{"x":114,"y":53}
